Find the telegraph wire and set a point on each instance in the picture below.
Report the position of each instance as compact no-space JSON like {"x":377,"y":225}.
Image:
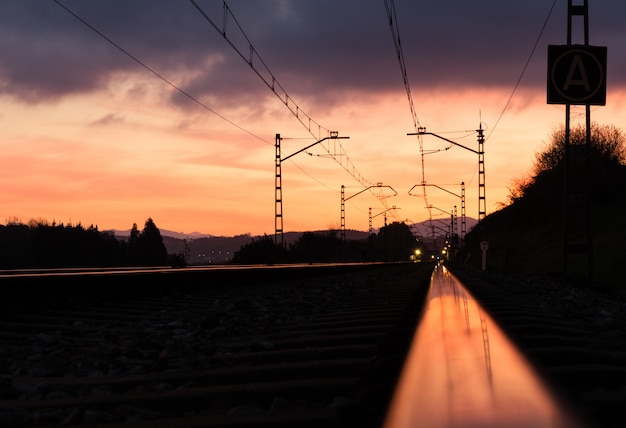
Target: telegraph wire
{"x":160,"y":76}
{"x":532,"y":52}
{"x":272,"y":83}
{"x":395,"y":34}
{"x":339,"y":156}
{"x":179,"y":89}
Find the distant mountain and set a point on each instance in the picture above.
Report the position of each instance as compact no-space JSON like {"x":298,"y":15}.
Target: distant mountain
{"x":424,"y":229}
{"x":208,"y":249}
{"x":165,"y":232}
{"x":181,"y":235}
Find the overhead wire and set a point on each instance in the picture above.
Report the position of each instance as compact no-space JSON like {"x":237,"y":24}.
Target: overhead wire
{"x":272,"y":83}
{"x":391,"y":14}
{"x":251,"y":57}
{"x":519,"y":79}
{"x":176,"y":87}
{"x":158,"y":75}
{"x":395,"y":35}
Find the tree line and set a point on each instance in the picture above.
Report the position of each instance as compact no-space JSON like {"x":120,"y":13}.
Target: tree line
{"x":394,"y":242}
{"x":527,"y":234}
{"x":40,"y":244}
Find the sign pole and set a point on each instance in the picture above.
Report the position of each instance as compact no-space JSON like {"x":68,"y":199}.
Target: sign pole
{"x":577,"y":76}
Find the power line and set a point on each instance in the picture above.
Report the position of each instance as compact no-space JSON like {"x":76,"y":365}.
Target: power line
{"x":532,"y":52}
{"x":251,"y":56}
{"x":395,"y":35}
{"x":337,"y":153}
{"x":160,"y":76}
{"x":182,"y":91}
{"x":263,"y":72}
{"x":174,"y":86}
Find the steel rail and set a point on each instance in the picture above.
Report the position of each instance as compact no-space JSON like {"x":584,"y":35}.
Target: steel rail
{"x":463,"y":371}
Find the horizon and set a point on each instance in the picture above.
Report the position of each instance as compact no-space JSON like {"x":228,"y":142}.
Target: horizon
{"x":93,"y":136}
{"x":183,"y":235}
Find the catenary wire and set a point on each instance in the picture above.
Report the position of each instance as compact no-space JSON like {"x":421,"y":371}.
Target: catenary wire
{"x":160,"y":76}
{"x":395,"y":34}
{"x":179,"y":89}
{"x":183,"y":92}
{"x":532,"y":52}
{"x":274,"y":85}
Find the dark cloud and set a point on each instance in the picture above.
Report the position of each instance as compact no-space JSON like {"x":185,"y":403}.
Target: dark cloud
{"x":318,"y":48}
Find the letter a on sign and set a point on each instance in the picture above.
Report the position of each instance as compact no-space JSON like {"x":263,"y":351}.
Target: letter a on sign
{"x":577,"y":75}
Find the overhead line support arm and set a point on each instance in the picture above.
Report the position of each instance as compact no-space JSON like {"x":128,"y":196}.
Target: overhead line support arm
{"x":422,"y":131}
{"x":333,"y":136}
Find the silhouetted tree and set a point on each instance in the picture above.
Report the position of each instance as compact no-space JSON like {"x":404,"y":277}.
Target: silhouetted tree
{"x":147,"y":248}
{"x":15,"y":245}
{"x":259,"y":250}
{"x":395,"y":242}
{"x":40,"y":244}
{"x":316,"y":247}
{"x":527,"y":234}
{"x":607,"y":154}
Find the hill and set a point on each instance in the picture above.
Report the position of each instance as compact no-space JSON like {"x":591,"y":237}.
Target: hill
{"x":207,"y":249}
{"x":526,"y":237}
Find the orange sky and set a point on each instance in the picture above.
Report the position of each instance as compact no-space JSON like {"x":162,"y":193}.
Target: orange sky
{"x":122,"y":151}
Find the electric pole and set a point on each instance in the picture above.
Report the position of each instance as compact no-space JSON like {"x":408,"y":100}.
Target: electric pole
{"x":278,"y":194}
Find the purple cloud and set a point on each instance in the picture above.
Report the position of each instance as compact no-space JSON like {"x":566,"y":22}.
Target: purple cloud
{"x":316,"y":49}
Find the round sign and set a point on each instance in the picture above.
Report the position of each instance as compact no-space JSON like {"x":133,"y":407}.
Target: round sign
{"x":577,"y":75}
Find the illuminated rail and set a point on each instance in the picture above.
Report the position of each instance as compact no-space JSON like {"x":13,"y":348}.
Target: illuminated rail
{"x":462,"y":371}
{"x":34,"y":273}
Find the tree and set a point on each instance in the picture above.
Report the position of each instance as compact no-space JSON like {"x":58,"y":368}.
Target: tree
{"x":608,"y":145}
{"x":607,"y":153}
{"x":316,"y":247}
{"x":133,"y":249}
{"x":527,"y":235}
{"x":153,"y":248}
{"x":396,"y":242}
{"x":259,"y":250}
{"x":41,"y":244}
{"x":146,"y":248}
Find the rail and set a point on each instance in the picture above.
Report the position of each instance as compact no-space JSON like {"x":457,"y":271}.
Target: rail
{"x":462,"y":370}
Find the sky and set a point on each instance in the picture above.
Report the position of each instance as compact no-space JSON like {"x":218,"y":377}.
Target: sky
{"x":119,"y":110}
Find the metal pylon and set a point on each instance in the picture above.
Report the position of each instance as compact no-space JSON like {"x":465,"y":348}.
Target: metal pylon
{"x":278,"y":207}
{"x":482,"y":200}
{"x":463,"y":222}
{"x":343,"y":213}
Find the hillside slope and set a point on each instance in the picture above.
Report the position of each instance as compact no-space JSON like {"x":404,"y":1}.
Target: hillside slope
{"x":526,"y":237}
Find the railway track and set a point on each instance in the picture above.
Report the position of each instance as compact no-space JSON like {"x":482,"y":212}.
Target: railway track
{"x":308,"y":346}
{"x":303,"y":349}
{"x":574,"y":337}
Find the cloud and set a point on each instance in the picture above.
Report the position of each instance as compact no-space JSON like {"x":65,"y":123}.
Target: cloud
{"x":316,"y":49}
{"x":108,"y":119}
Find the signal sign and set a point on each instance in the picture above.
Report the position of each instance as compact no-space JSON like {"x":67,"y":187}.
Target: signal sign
{"x":577,"y":74}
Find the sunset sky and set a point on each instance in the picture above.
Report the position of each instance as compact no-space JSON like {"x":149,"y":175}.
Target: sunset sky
{"x":89,"y":135}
